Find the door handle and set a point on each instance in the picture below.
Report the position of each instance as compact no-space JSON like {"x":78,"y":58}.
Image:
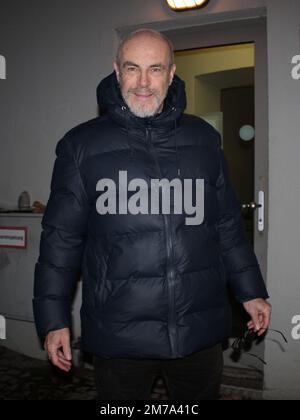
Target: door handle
{"x":251,"y":205}
{"x":261,"y":207}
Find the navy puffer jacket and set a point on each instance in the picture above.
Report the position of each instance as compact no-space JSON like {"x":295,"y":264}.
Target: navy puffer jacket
{"x":153,"y":285}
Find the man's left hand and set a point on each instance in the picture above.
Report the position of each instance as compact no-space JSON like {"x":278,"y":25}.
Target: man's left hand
{"x":260,"y":312}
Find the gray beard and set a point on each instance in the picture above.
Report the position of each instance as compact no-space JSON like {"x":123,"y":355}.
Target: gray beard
{"x":143,"y":113}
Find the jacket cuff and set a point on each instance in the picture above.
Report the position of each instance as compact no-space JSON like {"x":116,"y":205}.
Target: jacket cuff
{"x":51,"y":314}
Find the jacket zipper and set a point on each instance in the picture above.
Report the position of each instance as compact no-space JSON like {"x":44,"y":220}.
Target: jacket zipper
{"x":170,"y":262}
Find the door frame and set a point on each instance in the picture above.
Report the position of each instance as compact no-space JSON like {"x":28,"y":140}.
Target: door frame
{"x":229,"y":28}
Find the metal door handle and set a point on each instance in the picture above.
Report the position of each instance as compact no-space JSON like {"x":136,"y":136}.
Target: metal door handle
{"x":261,"y":207}
{"x":251,"y":205}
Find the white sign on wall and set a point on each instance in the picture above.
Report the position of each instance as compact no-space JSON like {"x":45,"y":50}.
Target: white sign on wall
{"x":13,"y":237}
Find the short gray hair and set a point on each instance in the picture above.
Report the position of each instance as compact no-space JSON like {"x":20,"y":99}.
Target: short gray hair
{"x":144,"y":31}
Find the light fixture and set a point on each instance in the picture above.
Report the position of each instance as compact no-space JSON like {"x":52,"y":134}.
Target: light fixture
{"x":180,"y":5}
{"x":247,"y":132}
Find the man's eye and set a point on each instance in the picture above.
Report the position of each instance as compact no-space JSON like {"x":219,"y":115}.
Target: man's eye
{"x":156,"y":69}
{"x":131,"y":69}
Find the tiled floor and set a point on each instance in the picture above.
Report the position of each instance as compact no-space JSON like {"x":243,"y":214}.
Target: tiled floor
{"x":24,"y":378}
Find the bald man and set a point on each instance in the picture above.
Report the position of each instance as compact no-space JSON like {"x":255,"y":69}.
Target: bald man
{"x":154,"y":278}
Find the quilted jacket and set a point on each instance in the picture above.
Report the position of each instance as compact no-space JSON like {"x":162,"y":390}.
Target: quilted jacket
{"x":154,"y":286}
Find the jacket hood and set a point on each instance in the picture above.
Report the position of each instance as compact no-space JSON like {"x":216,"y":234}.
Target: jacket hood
{"x":110,"y":101}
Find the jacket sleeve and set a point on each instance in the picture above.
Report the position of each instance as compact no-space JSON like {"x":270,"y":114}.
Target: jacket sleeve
{"x":241,"y":265}
{"x":62,"y":240}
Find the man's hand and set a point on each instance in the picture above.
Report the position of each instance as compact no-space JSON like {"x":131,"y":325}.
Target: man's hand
{"x":260,"y":312}
{"x":57,"y":345}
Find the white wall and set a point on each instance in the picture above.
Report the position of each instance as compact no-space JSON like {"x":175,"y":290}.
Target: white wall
{"x":58,"y":51}
{"x":282,"y":375}
{"x":54,"y":61}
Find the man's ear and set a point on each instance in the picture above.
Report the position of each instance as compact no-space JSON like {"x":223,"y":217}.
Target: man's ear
{"x":172,"y":73}
{"x":116,"y":67}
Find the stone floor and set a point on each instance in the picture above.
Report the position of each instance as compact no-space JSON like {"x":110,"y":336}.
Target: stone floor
{"x":24,"y":378}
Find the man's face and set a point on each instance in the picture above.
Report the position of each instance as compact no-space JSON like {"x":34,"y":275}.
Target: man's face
{"x":145,"y":74}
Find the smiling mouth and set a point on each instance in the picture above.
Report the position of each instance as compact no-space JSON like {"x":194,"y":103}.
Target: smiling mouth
{"x":142,"y":96}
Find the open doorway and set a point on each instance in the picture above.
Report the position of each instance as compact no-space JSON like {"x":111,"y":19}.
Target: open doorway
{"x":220,"y":87}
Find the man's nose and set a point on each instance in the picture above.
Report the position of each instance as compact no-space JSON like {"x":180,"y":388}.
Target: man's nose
{"x":144,"y":79}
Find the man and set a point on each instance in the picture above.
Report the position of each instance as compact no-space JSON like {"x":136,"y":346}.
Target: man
{"x":154,"y":279}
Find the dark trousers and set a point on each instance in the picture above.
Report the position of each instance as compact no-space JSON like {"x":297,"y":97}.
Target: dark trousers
{"x":195,"y":377}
